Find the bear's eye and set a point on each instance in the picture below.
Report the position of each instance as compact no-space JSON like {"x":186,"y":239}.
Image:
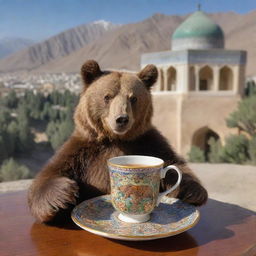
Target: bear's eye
{"x":133,"y":99}
{"x":107,"y":98}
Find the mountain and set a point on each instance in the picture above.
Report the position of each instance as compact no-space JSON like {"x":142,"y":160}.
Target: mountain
{"x":11,"y":45}
{"x":121,"y":48}
{"x":57,"y":46}
{"x":240,"y":33}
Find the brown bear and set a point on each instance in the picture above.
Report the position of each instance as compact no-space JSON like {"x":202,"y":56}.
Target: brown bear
{"x":137,"y":191}
{"x":112,"y":118}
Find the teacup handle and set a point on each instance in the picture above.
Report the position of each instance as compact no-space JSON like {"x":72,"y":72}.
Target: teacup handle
{"x":162,"y":175}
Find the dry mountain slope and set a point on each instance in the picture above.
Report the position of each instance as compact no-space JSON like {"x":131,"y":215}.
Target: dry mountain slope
{"x":123,"y":47}
{"x":242,"y":35}
{"x":57,"y":46}
{"x":10,"y":45}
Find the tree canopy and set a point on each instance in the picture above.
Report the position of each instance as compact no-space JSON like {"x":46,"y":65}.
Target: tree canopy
{"x":244,"y":118}
{"x":18,"y":114}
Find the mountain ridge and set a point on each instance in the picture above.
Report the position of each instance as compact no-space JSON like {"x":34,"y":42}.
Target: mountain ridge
{"x":10,"y":45}
{"x":56,"y":46}
{"x":121,"y":47}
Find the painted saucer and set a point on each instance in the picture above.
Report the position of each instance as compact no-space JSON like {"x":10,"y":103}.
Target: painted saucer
{"x":171,"y":217}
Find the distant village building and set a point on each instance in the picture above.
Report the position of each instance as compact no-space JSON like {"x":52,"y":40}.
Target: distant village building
{"x":199,"y":84}
{"x":47,"y":88}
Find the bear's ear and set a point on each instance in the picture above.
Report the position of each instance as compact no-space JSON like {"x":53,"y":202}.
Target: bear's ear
{"x":148,"y":75}
{"x":90,"y":71}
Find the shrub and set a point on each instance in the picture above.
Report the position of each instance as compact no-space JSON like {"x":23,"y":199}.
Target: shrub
{"x":244,"y":118}
{"x":236,"y":150}
{"x":252,"y":150}
{"x":250,"y":88}
{"x":196,"y":155}
{"x":214,"y":156}
{"x":11,"y":170}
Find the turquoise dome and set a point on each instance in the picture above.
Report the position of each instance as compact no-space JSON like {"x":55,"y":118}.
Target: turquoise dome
{"x":198,"y":32}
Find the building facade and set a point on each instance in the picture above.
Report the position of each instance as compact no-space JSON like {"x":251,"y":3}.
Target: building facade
{"x":199,"y":84}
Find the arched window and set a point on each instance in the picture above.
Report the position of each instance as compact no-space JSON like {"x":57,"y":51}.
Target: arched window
{"x":201,"y":139}
{"x":161,"y":79}
{"x":171,"y":79}
{"x":192,"y":79}
{"x":159,"y":85}
{"x":205,"y":79}
{"x":226,"y":79}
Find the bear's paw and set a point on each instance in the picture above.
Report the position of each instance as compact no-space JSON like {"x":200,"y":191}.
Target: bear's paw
{"x":193,"y":193}
{"x":57,"y":194}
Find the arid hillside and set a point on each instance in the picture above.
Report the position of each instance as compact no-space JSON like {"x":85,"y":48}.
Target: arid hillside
{"x":122,"y":47}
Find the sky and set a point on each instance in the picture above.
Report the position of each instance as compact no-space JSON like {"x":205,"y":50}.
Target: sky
{"x":40,"y":19}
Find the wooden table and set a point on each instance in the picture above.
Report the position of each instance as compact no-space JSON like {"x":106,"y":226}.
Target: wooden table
{"x":224,"y":229}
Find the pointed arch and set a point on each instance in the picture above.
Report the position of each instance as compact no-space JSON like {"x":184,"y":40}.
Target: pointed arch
{"x":226,"y":79}
{"x":171,"y":79}
{"x":201,"y":138}
{"x":206,"y":78}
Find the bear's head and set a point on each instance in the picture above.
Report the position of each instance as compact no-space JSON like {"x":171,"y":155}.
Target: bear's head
{"x":116,"y":105}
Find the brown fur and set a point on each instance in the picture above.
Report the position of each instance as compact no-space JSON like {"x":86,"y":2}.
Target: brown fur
{"x":78,"y":170}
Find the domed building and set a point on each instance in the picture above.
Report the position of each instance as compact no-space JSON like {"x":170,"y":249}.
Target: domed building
{"x":198,"y":32}
{"x":199,"y":84}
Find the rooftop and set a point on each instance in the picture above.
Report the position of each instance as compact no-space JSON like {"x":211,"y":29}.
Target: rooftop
{"x":198,"y":31}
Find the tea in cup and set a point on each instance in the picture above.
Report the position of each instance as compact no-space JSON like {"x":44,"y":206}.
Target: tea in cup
{"x":135,"y":182}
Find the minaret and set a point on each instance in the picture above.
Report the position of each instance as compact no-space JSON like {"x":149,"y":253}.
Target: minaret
{"x":199,"y":7}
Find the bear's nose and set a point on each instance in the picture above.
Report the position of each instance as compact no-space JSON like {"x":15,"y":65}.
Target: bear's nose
{"x":122,"y":120}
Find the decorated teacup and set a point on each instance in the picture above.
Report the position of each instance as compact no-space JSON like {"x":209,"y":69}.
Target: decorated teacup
{"x":135,"y":182}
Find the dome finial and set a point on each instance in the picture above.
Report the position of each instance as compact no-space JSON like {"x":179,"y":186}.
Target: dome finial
{"x":199,"y":7}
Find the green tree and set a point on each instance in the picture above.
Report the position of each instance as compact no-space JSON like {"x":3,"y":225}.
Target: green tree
{"x":36,"y":105}
{"x":250,"y":88}
{"x":244,"y":118}
{"x":5,"y":118}
{"x":3,"y":143}
{"x":45,"y":113}
{"x":56,"y":97}
{"x":58,"y":132}
{"x":23,"y":112}
{"x":7,"y":145}
{"x":13,"y":138}
{"x":196,"y":155}
{"x":11,"y":170}
{"x":252,"y":150}
{"x":214,"y":156}
{"x":68,"y":100}
{"x":54,"y":114}
{"x":25,"y":136}
{"x":236,"y":150}
{"x":17,"y":114}
{"x":6,"y":142}
{"x":66,"y":128}
{"x":51,"y":128}
{"x":11,"y":100}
